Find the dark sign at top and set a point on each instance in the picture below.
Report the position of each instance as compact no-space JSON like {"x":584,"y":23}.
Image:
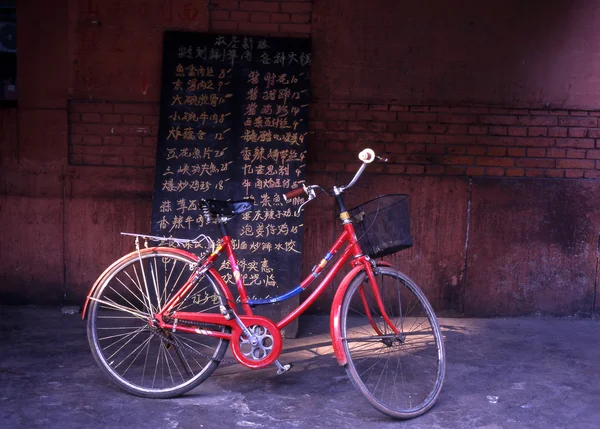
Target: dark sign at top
{"x":233,"y":125}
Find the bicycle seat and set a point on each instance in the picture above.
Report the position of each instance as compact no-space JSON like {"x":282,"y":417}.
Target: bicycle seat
{"x":229,"y":208}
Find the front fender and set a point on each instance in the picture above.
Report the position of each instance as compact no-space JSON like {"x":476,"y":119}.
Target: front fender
{"x":336,"y":310}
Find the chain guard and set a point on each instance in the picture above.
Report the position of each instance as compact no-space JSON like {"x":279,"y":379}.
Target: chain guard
{"x":268,"y":342}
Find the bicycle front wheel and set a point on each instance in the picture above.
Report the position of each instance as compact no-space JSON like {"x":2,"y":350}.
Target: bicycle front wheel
{"x":400,"y":371}
{"x":134,"y":352}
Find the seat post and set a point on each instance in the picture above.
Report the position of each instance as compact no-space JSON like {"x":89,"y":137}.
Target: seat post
{"x":222,"y":228}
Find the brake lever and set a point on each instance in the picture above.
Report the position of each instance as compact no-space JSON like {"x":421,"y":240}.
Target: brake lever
{"x":311,"y":196}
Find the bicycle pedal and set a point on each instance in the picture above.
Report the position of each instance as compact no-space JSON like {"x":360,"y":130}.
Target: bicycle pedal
{"x":282,"y":369}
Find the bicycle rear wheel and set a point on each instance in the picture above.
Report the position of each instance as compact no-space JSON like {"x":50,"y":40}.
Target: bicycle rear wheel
{"x":137,"y":355}
{"x":400,"y":374}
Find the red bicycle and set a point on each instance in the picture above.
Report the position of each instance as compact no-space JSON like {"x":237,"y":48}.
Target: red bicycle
{"x":161,"y":318}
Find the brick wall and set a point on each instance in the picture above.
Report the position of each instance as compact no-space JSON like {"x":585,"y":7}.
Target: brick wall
{"x":457,"y":141}
{"x":112,"y":134}
{"x":290,"y":18}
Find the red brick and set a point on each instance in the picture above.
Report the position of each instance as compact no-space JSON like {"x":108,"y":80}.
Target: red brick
{"x":260,"y":17}
{"x":417,"y":128}
{"x":92,"y":140}
{"x":496,"y":140}
{"x":296,"y":28}
{"x":379,"y":107}
{"x":92,"y":160}
{"x":578,"y":113}
{"x":74,"y":117}
{"x":336,"y":125}
{"x":415,"y":148}
{"x":594,"y":133}
{"x":415,"y":138}
{"x":479,"y":110}
{"x":435,"y":149}
{"x":398,"y":127}
{"x":535,"y":141}
{"x":593,"y":154}
{"x":578,"y":122}
{"x":148,"y":141}
{"x":260,"y":6}
{"x":458,"y":160}
{"x":224,"y":4}
{"x":539,"y":112}
{"x":219,"y":15}
{"x":495,"y":161}
{"x":357,"y":125}
{"x":575,"y":163}
{"x":259,"y":27}
{"x":496,"y":151}
{"x":494,"y":171}
{"x":498,"y":120}
{"x":534,"y":162}
{"x":82,"y":107}
{"x":475,"y":129}
{"x":592,"y":174}
{"x":338,"y":106}
{"x":594,"y":113}
{"x":281,"y":17}
{"x":415,"y":169}
{"x":517,"y":131}
{"x":575,"y":153}
{"x":455,"y":171}
{"x":516,"y":151}
{"x":395,"y":168}
{"x":134,"y":108}
{"x":371,"y":115}
{"x":339,"y":115}
{"x":395,"y":148}
{"x":420,"y":109}
{"x":91,"y":118}
{"x":475,"y":171}
{"x":555,"y":173}
{"x":304,"y":7}
{"x":519,"y":111}
{"x":557,"y":132}
{"x":396,"y":108}
{"x":109,"y":118}
{"x":226,"y":26}
{"x":113,"y":140}
{"x":515,"y":172}
{"x":556,"y":153}
{"x":300,"y":18}
{"x":538,"y":121}
{"x":461,"y":150}
{"x":537,"y":131}
{"x":456,"y":119}
{"x":133,"y":141}
{"x":535,"y":172}
{"x":336,"y":146}
{"x":536,"y":153}
{"x":133,"y":119}
{"x":434,"y":169}
{"x":358,"y":106}
{"x":577,"y":143}
{"x":458,"y":129}
{"x":460,"y":109}
{"x":151,"y":120}
{"x":240,"y":16}
{"x":475,"y":150}
{"x":573,"y":174}
{"x":578,"y":132}
{"x":458,"y":139}
{"x":498,"y":130}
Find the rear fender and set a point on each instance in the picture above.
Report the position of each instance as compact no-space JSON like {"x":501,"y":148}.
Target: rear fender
{"x":359,"y":274}
{"x":112,"y":267}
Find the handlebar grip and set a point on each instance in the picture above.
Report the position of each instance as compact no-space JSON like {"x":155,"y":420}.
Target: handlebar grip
{"x":293,"y":194}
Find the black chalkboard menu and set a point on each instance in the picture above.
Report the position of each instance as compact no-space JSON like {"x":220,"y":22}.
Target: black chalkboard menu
{"x":233,"y":125}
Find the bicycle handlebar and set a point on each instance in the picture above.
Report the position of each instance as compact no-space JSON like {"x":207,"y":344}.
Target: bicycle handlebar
{"x":367,"y":156}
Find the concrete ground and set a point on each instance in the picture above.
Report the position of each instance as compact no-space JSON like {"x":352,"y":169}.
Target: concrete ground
{"x":501,"y":373}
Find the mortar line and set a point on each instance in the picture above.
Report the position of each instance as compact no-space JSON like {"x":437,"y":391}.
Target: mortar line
{"x":466,"y":259}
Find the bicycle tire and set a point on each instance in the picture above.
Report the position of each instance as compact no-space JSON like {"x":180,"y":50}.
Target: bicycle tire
{"x":144,"y":360}
{"x":400,"y":375}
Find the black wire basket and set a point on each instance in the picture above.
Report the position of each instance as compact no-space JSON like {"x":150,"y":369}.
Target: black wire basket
{"x":382,"y":225}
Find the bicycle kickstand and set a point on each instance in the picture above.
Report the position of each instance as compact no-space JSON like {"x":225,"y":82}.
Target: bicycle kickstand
{"x":282,"y":369}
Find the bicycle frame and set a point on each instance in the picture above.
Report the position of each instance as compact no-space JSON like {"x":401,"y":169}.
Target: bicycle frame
{"x":352,"y":249}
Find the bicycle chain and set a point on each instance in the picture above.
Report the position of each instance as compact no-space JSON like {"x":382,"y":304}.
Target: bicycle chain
{"x":180,"y":344}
